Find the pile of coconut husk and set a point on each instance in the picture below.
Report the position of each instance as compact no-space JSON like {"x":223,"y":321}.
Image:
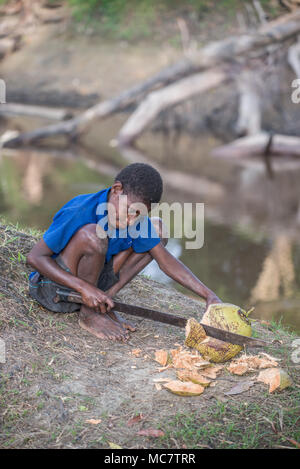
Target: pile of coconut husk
{"x":194,"y":374}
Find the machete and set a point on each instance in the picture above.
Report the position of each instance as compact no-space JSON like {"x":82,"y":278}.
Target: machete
{"x":167,"y":318}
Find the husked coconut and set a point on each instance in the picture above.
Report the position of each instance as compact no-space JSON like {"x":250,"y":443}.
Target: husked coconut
{"x":222,"y":316}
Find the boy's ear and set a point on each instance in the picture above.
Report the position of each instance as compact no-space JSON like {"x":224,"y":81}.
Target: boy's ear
{"x":117,"y":188}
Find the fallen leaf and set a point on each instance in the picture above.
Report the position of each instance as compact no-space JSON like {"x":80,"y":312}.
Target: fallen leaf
{"x":151,"y":432}
{"x":136,"y":352}
{"x":114,"y":445}
{"x":276,"y":378}
{"x":158,"y":386}
{"x":239,"y":388}
{"x":93,"y":421}
{"x":294,"y":442}
{"x":135,"y":420}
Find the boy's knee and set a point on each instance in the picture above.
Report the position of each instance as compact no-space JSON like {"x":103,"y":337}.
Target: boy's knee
{"x":94,"y":239}
{"x":161,"y":229}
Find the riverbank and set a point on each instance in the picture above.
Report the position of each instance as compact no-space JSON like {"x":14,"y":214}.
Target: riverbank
{"x":75,"y":64}
{"x":57,"y":377}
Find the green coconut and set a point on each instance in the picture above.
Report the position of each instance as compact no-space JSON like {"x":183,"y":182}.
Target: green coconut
{"x":227,"y":317}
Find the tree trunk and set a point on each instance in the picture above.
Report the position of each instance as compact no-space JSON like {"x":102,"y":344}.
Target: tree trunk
{"x":257,"y":144}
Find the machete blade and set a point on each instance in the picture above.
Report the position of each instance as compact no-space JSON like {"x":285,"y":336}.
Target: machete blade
{"x":167,"y":318}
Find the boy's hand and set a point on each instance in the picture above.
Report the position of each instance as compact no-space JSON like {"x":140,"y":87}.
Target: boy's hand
{"x":96,"y":299}
{"x":212,"y":299}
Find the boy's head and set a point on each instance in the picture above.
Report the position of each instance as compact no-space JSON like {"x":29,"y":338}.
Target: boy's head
{"x":142,"y":184}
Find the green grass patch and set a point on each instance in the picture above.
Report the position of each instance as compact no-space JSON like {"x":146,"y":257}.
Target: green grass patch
{"x":242,"y":425}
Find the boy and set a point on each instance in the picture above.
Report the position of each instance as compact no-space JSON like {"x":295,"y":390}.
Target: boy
{"x":97,"y":243}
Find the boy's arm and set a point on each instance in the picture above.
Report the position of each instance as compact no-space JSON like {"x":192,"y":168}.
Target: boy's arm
{"x":40,"y":258}
{"x":182,"y":274}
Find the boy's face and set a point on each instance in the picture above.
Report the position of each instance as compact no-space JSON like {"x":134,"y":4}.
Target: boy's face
{"x":124,"y":209}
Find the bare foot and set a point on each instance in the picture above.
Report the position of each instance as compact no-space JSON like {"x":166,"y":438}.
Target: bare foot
{"x":101,"y":325}
{"x":117,"y":318}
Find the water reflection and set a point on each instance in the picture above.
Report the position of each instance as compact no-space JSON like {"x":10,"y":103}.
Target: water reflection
{"x":251,"y":253}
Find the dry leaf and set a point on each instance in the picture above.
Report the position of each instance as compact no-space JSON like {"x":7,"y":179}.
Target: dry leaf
{"x":158,"y":386}
{"x":135,"y":420}
{"x":276,"y":378}
{"x":294,"y":442}
{"x":114,"y":445}
{"x":151,"y":432}
{"x":161,"y":356}
{"x":136,"y":352}
{"x":93,"y":421}
{"x":184,"y":388}
{"x":242,"y":386}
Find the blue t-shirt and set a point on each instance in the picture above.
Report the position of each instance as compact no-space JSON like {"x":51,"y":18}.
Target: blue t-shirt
{"x":92,"y":208}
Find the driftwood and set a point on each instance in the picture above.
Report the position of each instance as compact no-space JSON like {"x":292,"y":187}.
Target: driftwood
{"x":249,"y":114}
{"x":213,"y":54}
{"x":81,"y":123}
{"x":207,"y":57}
{"x":257,"y":145}
{"x":167,"y":97}
{"x":14,"y":109}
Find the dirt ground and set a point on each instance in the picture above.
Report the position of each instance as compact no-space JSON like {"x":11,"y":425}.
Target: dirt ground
{"x":57,"y":376}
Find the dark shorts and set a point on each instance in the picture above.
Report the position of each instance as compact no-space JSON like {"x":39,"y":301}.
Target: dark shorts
{"x":43,"y":290}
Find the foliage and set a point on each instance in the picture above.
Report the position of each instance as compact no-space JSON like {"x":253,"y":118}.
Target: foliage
{"x":134,"y":18}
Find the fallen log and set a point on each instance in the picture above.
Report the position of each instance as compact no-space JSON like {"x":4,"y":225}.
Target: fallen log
{"x":15,"y":109}
{"x":249,"y":114}
{"x":74,"y":127}
{"x":214,"y":53}
{"x":167,"y":97}
{"x":257,"y":144}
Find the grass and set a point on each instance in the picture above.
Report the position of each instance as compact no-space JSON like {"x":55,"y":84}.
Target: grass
{"x":242,"y":425}
{"x":137,"y":19}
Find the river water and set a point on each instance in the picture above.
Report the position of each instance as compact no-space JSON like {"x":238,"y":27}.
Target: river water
{"x":251,"y":250}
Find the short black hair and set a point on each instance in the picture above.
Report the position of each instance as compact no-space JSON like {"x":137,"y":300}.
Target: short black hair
{"x":143,"y":181}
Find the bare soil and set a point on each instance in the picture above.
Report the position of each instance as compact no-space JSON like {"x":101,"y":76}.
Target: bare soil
{"x":57,"y":376}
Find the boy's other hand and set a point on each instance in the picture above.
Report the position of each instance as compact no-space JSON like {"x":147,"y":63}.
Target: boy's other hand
{"x":96,"y":299}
